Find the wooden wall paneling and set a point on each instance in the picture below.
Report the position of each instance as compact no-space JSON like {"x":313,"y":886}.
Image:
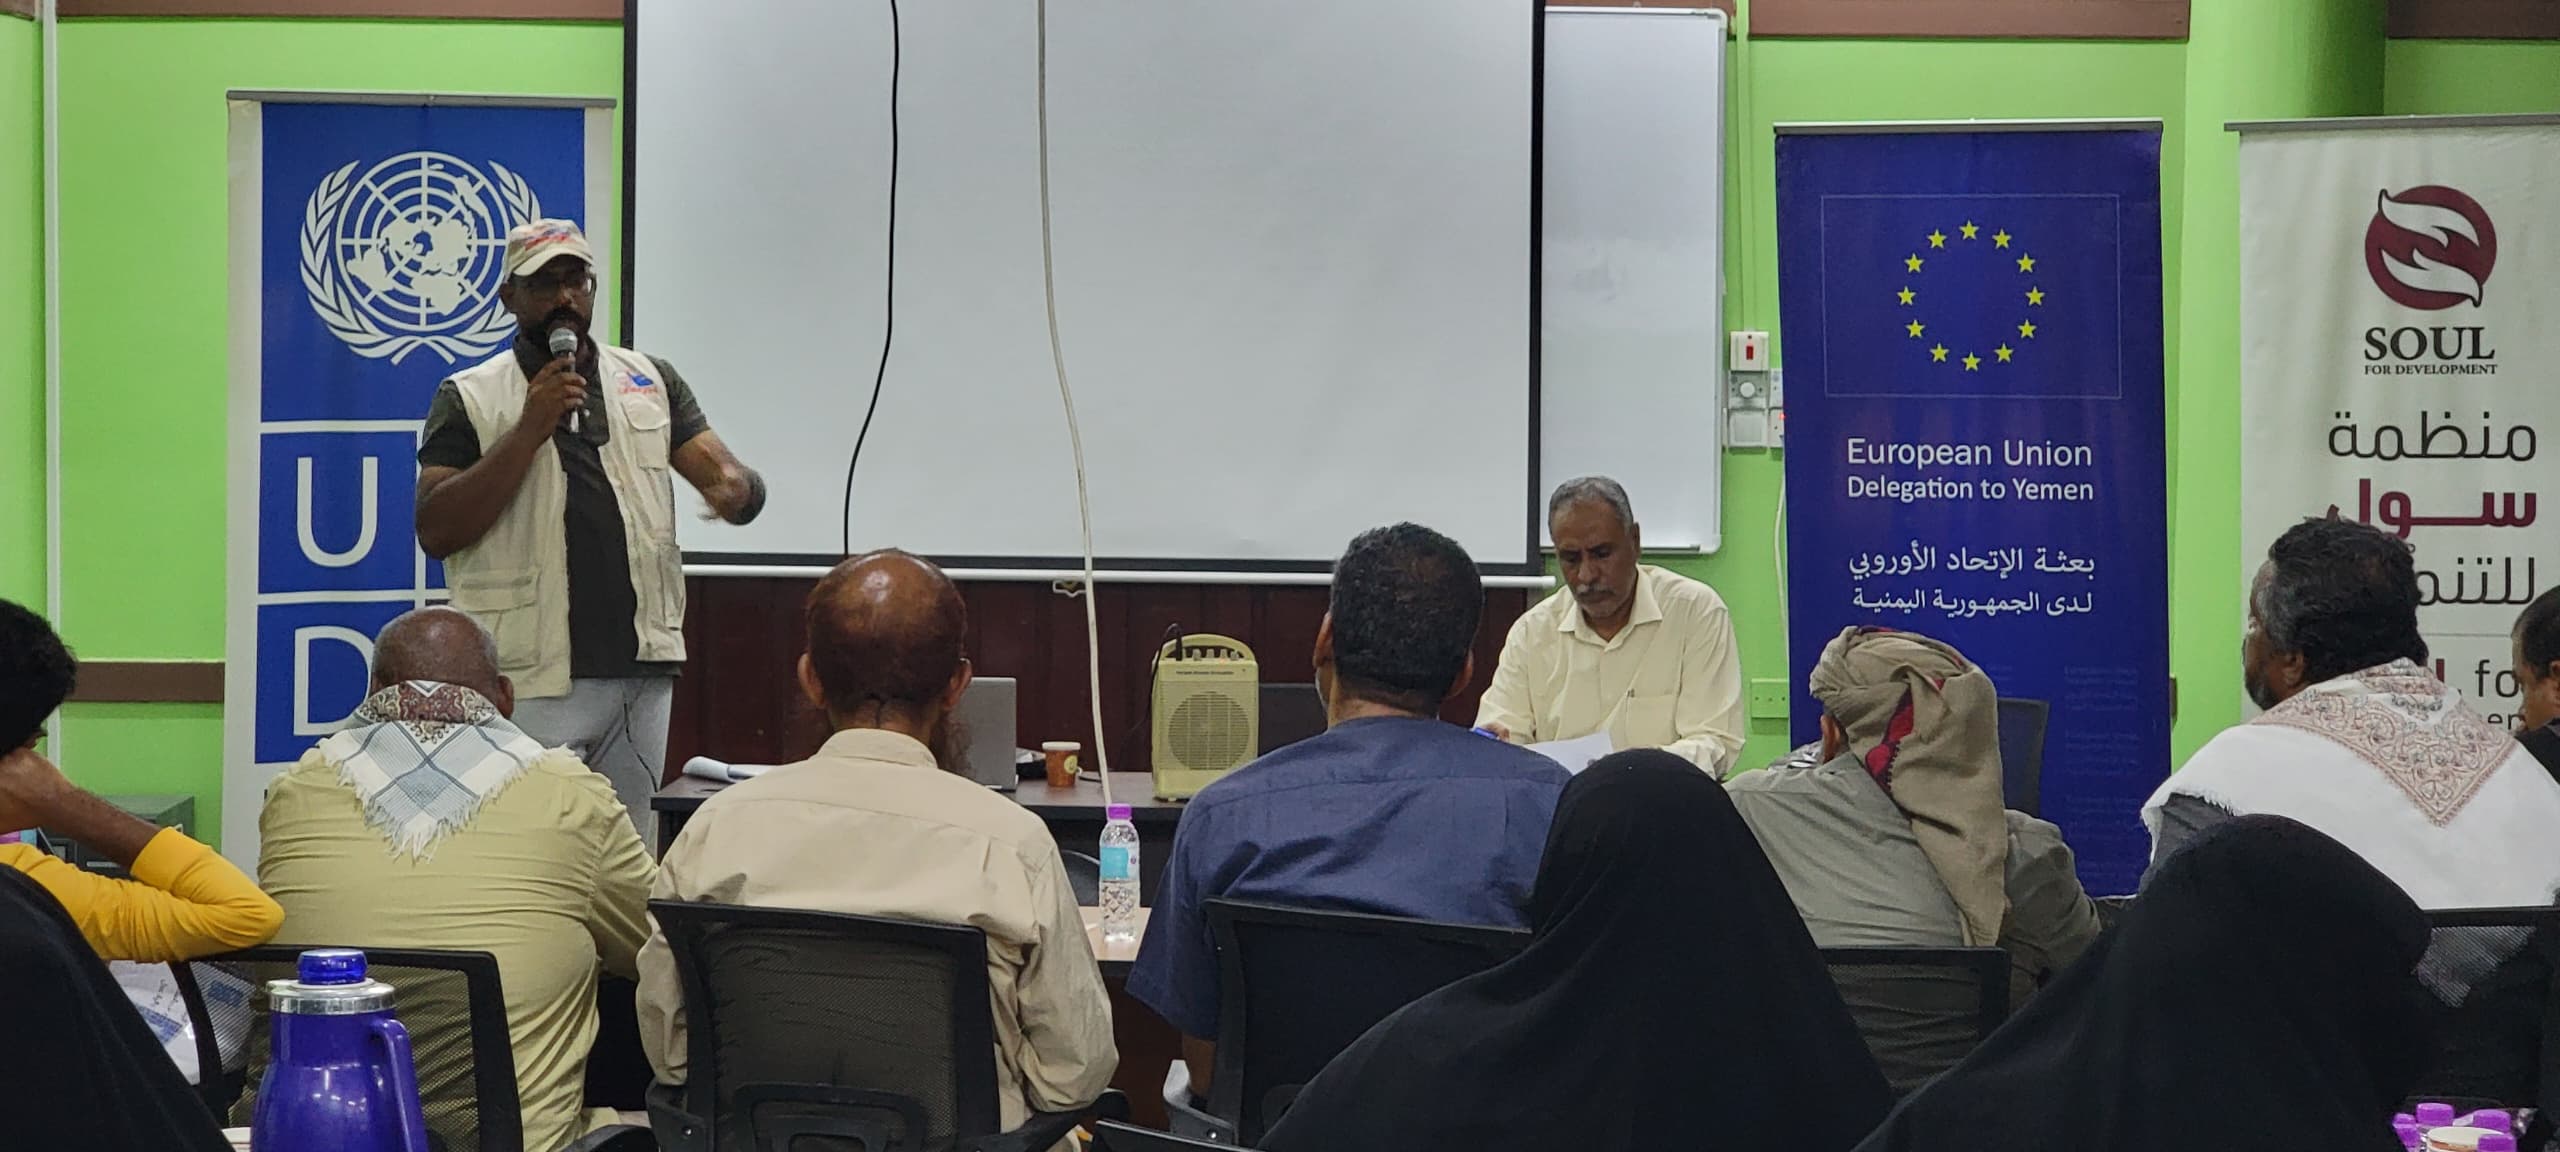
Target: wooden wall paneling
{"x":2003,"y":19}
{"x":738,"y":699}
{"x":2474,"y":19}
{"x":1724,"y":6}
{"x":1049,"y":635}
{"x":148,"y":682}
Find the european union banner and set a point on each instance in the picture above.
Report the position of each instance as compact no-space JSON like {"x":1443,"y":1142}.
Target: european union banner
{"x":366,"y":239}
{"x":1973,"y":338}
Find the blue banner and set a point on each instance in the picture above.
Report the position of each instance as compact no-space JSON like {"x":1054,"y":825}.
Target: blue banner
{"x":371,"y":236}
{"x":1974,"y":350}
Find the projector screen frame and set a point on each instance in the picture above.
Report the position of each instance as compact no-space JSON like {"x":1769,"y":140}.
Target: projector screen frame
{"x":1532,"y":568}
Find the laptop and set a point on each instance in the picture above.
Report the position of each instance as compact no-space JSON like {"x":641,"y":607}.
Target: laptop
{"x":987,"y":711}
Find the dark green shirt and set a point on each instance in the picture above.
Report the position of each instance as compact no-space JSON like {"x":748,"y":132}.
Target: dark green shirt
{"x":602,"y":641}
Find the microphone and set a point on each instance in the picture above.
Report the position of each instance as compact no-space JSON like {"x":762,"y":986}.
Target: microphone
{"x":564,"y":342}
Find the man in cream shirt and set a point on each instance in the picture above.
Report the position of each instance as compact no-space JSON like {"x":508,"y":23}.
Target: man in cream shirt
{"x":1642,"y":654}
{"x":881,"y":823}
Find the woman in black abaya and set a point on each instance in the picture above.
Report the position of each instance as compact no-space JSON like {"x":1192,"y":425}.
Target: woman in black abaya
{"x":1670,"y":999}
{"x":2258,"y":996}
{"x":78,"y":1068}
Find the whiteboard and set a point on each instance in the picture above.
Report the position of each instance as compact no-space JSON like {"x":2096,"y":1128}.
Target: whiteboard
{"x":1632,"y":340}
{"x":1295,"y":243}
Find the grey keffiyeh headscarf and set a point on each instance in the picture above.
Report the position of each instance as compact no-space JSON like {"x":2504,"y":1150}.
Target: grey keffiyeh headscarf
{"x":423,"y":756}
{"x":1925,"y":723}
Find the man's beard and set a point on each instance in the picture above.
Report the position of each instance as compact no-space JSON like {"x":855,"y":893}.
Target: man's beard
{"x":949,"y":742}
{"x":2260,"y":692}
{"x":558,"y":318}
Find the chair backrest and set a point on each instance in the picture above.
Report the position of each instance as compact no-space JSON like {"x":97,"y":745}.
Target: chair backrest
{"x":456,"y":1012}
{"x":1296,"y":986}
{"x":2022,"y":724}
{"x":833,"y":1025}
{"x":1113,"y":1136}
{"x":217,"y":1084}
{"x":2490,"y":971}
{"x":1921,"y":1009}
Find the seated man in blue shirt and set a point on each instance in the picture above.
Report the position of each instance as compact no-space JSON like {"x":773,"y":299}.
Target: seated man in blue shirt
{"x":1391,"y":811}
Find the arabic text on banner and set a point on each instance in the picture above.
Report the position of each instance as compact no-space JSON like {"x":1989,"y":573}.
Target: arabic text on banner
{"x":1972,"y":328}
{"x":2400,"y":363}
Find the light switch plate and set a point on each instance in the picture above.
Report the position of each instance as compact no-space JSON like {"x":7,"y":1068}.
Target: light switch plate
{"x":1769,"y":700}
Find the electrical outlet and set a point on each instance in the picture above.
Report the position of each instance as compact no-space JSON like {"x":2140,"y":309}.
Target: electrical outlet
{"x":1746,"y":430}
{"x":1769,"y":699}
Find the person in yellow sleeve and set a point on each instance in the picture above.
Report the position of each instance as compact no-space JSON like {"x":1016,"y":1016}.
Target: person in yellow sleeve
{"x":184,"y":900}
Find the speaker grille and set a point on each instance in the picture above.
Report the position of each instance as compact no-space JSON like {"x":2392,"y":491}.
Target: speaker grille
{"x":1210,"y":731}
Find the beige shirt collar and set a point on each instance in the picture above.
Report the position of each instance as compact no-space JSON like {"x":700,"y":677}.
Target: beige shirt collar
{"x":877,"y":746}
{"x":1648,"y":610}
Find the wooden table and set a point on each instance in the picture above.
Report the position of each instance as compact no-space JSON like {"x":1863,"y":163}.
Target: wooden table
{"x":1074,"y":815}
{"x":1115,"y":958}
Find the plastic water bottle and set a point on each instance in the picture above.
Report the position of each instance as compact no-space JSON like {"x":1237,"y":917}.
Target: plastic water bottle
{"x":1119,"y":877}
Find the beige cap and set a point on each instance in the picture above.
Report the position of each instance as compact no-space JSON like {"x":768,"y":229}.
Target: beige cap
{"x":534,"y":243}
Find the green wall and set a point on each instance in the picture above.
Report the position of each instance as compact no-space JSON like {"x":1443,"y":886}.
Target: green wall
{"x":144,"y":323}
{"x":2449,"y":77}
{"x":21,"y":316}
{"x":144,"y":248}
{"x":2263,"y":60}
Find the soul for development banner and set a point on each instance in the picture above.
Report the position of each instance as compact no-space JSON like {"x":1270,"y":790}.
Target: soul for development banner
{"x":366,"y":239}
{"x":1972,"y":331}
{"x":2400,"y":362}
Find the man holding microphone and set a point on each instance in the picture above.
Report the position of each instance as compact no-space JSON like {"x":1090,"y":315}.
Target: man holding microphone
{"x":543,"y":486}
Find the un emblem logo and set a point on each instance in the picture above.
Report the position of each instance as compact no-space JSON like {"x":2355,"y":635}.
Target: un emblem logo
{"x":409,"y":255}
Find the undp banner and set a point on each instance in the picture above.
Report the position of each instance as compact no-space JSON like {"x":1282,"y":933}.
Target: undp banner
{"x":366,"y":242}
{"x":2400,"y":355}
{"x":1973,"y":339}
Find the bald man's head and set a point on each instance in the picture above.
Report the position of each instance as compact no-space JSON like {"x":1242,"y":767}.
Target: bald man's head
{"x":884,"y":634}
{"x":443,"y":645}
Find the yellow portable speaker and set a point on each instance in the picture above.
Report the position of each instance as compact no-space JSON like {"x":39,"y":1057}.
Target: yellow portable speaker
{"x":1208,"y":712}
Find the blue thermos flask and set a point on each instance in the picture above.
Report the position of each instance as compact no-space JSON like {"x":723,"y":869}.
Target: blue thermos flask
{"x":339,"y":1076}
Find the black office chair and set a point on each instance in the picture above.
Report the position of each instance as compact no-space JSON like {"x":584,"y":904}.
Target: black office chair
{"x":2490,"y":971}
{"x":1296,"y":986}
{"x":822,"y":1030}
{"x":1921,"y":1010}
{"x":219,"y":1016}
{"x":1110,"y":1136}
{"x":2022,"y":725}
{"x":1084,"y":877}
{"x":451,"y":1003}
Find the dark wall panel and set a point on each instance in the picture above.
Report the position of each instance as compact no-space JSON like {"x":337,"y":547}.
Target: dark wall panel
{"x":2475,"y":19}
{"x":1983,"y":19}
{"x":739,"y":699}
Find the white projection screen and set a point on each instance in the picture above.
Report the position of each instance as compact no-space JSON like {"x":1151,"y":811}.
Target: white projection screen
{"x":1295,"y":258}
